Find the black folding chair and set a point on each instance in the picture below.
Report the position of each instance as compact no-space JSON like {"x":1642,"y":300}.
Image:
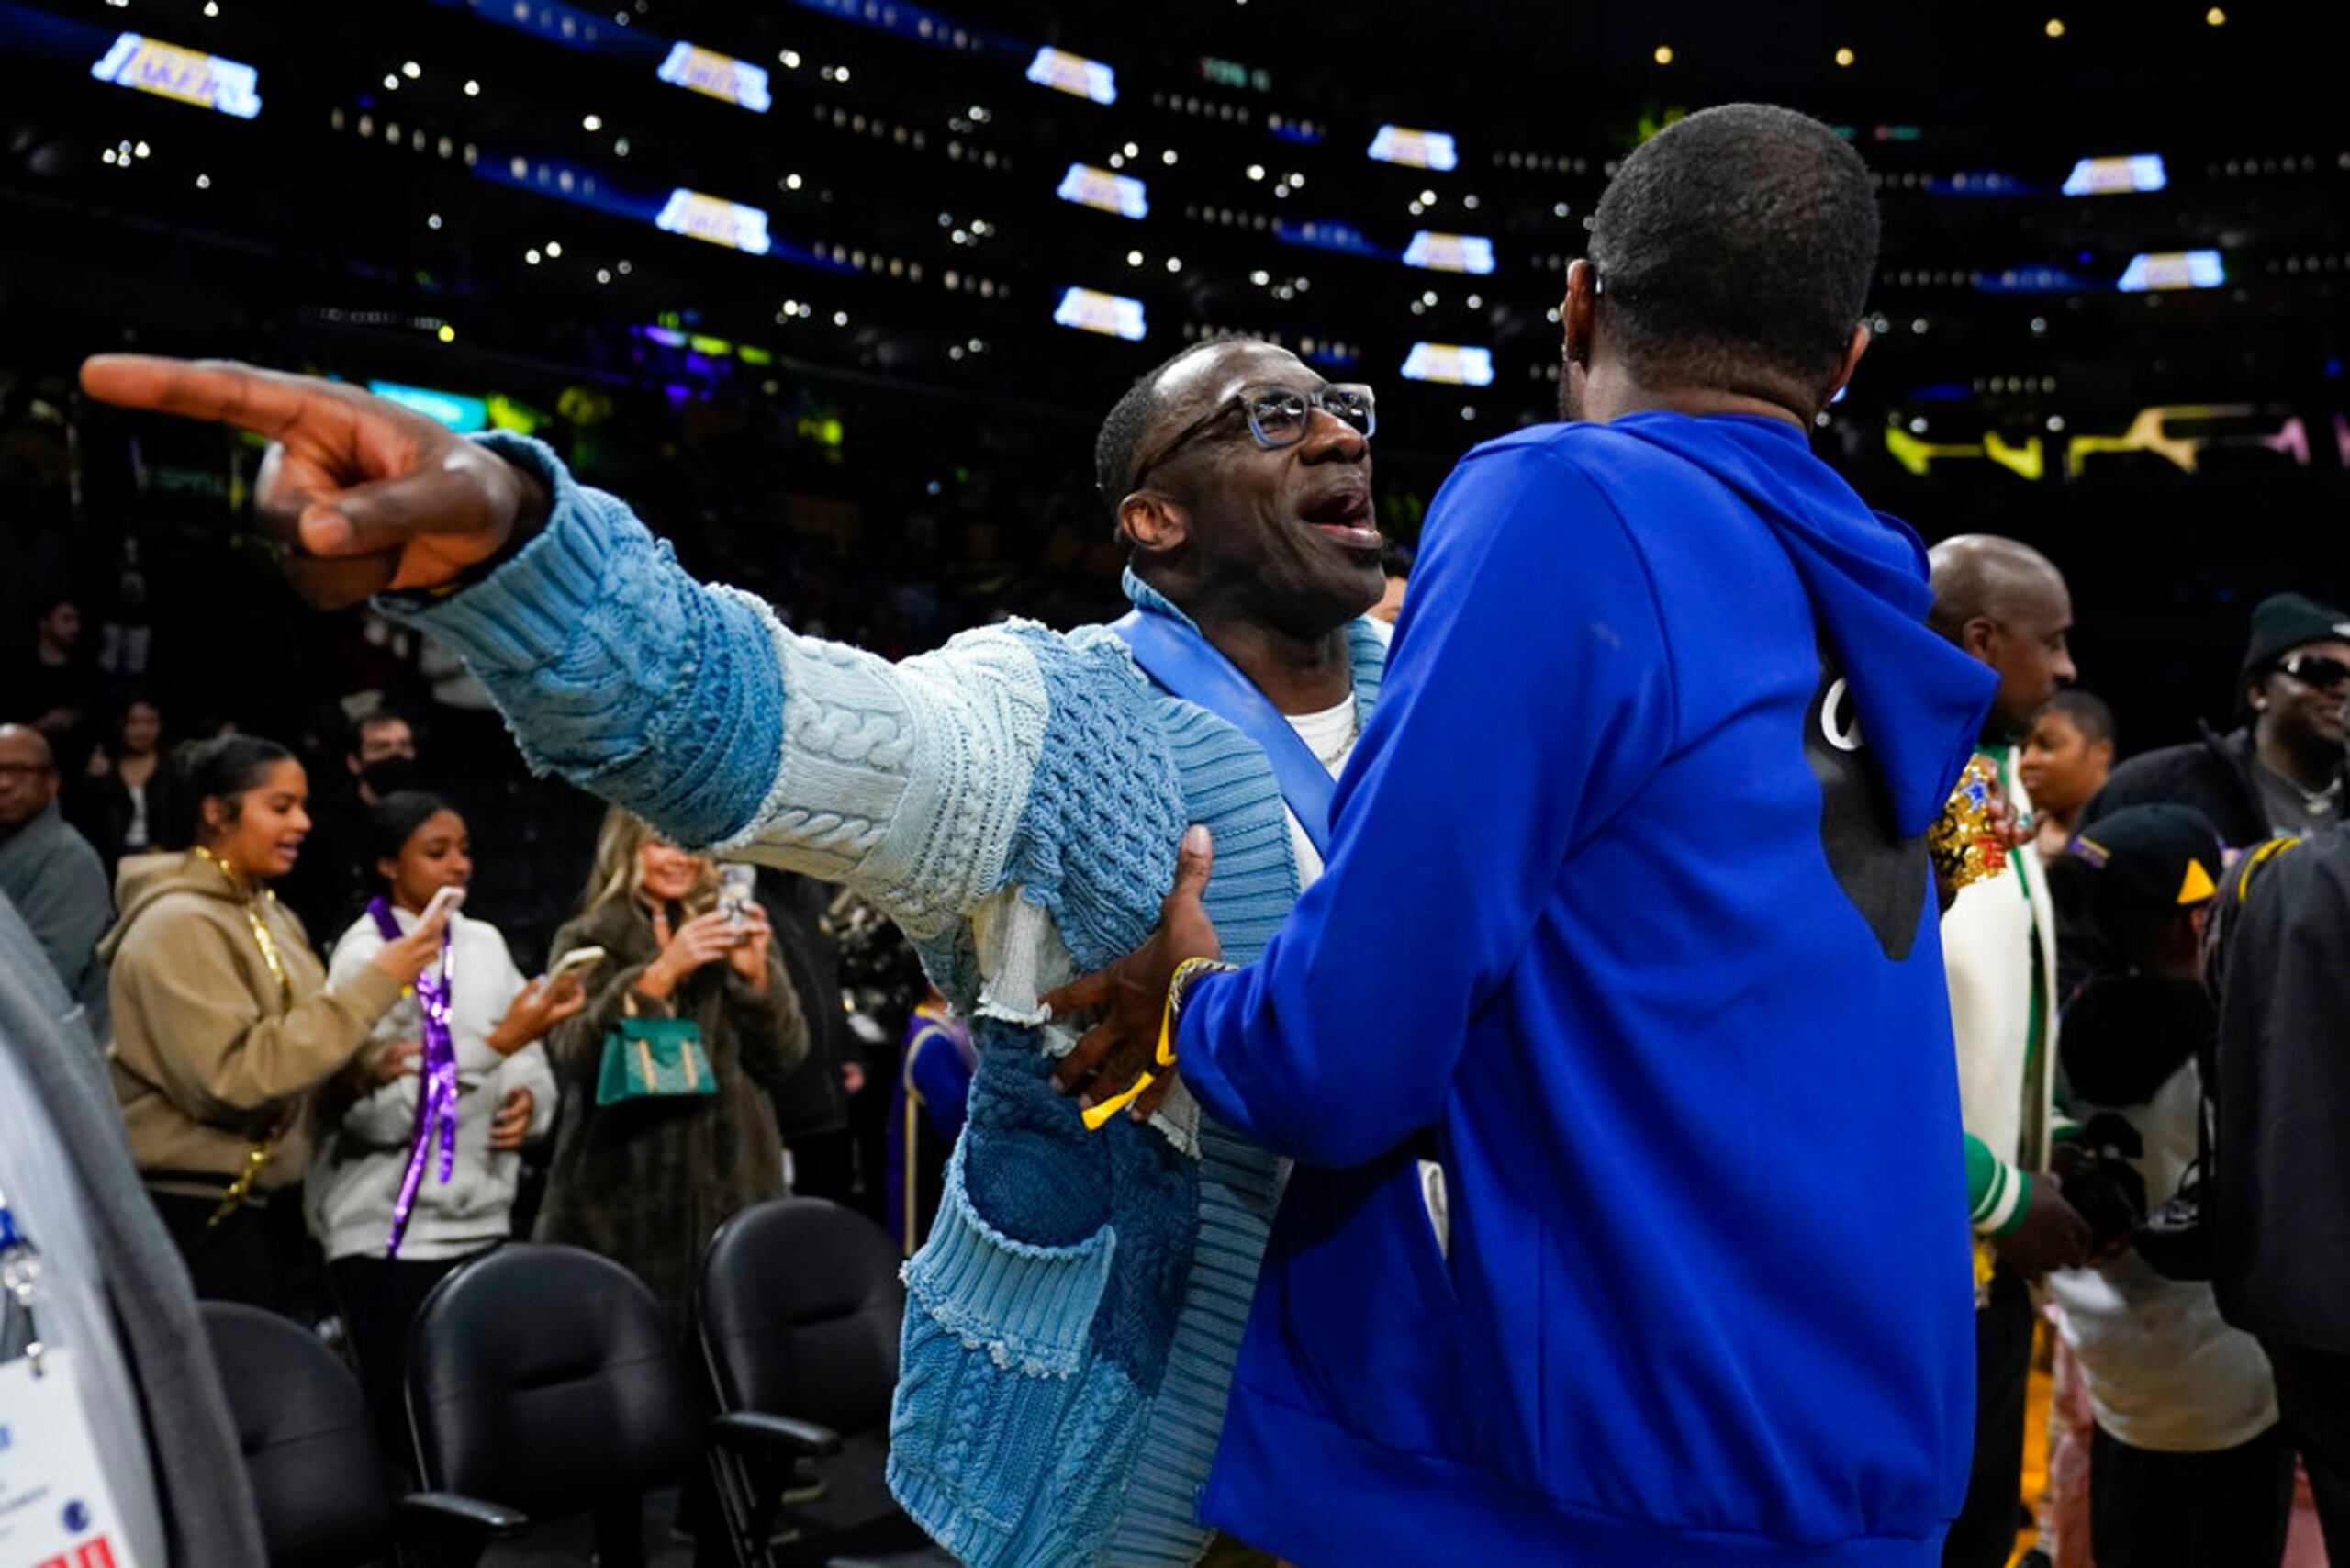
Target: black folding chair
{"x":797,"y":1310}
{"x":318,"y":1479}
{"x":546,"y":1378}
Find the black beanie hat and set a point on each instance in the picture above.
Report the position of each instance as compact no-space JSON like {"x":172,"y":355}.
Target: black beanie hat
{"x":2150,"y":863}
{"x":2284,"y":621}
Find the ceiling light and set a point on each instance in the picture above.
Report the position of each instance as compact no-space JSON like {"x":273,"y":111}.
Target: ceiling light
{"x":792,"y":182}
{"x":531,"y":256}
{"x":1132,"y":150}
{"x":411,"y":69}
{"x":1665,"y":54}
{"x":1256,"y":171}
{"x":603,"y":274}
{"x":391,"y":82}
{"x":840,"y":74}
{"x":1174,"y":264}
{"x":203,"y":182}
{"x":473,"y":89}
{"x":2215,"y":16}
{"x":1134,"y":258}
{"x":790,"y":58}
{"x":1845,"y":57}
{"x":2055,"y":29}
{"x":432,"y":220}
{"x":1168,"y":157}
{"x":554,"y":247}
{"x":447,"y":333}
{"x":840,"y":318}
{"x":1427,"y":198}
{"x":592,"y":122}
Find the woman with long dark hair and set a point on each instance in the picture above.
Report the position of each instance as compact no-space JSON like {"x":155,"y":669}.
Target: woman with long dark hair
{"x":224,"y":1020}
{"x":121,"y":805}
{"x":392,"y":1230}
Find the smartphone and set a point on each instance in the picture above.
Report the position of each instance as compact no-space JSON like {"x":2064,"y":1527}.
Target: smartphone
{"x":735,"y":887}
{"x":579,"y":958}
{"x":448,"y":898}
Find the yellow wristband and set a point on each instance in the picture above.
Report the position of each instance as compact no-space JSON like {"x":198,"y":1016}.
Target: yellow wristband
{"x":1099,"y":1116}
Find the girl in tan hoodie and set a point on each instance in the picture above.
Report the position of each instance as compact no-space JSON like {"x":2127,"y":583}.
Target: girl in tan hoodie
{"x":224,"y":1022}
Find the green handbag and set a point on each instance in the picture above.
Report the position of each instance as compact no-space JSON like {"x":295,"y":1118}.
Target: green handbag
{"x":652,"y":1059}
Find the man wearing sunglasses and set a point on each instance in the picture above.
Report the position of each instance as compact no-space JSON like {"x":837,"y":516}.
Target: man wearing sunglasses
{"x":1013,"y":801}
{"x":2281,"y":773}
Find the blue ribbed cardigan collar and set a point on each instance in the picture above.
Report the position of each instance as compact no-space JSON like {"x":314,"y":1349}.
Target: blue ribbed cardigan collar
{"x":1365,"y":645}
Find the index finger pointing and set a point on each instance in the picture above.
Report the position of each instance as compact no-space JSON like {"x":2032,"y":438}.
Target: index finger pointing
{"x":266,"y":402}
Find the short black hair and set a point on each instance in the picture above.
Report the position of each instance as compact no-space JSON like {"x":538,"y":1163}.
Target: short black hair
{"x":1737,"y":244}
{"x":1129,"y":420}
{"x":374,"y":718}
{"x":2087,"y":710}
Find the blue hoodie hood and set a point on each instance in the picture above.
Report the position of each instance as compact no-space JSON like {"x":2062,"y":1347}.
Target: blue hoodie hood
{"x":1866,"y":573}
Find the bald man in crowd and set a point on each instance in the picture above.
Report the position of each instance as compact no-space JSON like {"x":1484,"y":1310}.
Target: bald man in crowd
{"x":2003,"y":604}
{"x":51,"y":873}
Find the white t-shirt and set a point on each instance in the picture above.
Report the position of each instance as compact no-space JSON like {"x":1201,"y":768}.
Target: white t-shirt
{"x":1332,"y":735}
{"x":2163,"y":1371}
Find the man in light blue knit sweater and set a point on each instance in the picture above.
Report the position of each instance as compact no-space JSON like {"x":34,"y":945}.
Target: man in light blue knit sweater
{"x":1013,"y":800}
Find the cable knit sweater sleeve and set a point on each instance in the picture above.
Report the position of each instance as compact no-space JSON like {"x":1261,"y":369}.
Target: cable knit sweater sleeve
{"x":696,"y":707}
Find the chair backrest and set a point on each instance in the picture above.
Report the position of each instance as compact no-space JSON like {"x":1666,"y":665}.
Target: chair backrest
{"x":310,"y":1450}
{"x":546,"y":1378}
{"x":799,"y":1307}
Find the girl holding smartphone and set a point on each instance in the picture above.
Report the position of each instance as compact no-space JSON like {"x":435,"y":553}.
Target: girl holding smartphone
{"x":418,"y":853}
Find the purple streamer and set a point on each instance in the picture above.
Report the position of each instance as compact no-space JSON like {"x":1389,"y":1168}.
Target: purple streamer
{"x":436,"y":1100}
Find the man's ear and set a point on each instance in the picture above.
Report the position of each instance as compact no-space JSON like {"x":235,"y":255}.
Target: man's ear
{"x":1976,"y":637}
{"x":1155,"y":523}
{"x":1577,"y":310}
{"x":1857,"y":345}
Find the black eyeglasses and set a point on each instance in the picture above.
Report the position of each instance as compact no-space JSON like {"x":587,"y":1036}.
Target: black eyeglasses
{"x":1278,"y":417}
{"x":2316,"y":670}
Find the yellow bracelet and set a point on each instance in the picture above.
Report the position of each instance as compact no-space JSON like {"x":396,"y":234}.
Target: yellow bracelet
{"x":1097,"y":1117}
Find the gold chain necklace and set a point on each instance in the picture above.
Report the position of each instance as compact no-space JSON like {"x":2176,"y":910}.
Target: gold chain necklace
{"x":261,"y":938}
{"x":258,"y":1156}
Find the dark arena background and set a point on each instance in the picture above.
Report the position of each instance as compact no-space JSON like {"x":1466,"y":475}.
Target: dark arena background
{"x":836,"y":291}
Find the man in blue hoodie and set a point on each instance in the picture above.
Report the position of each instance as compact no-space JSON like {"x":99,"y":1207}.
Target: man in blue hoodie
{"x":1628,"y":1224}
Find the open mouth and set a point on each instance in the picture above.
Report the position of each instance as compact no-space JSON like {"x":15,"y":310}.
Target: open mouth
{"x":1343,"y":514}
